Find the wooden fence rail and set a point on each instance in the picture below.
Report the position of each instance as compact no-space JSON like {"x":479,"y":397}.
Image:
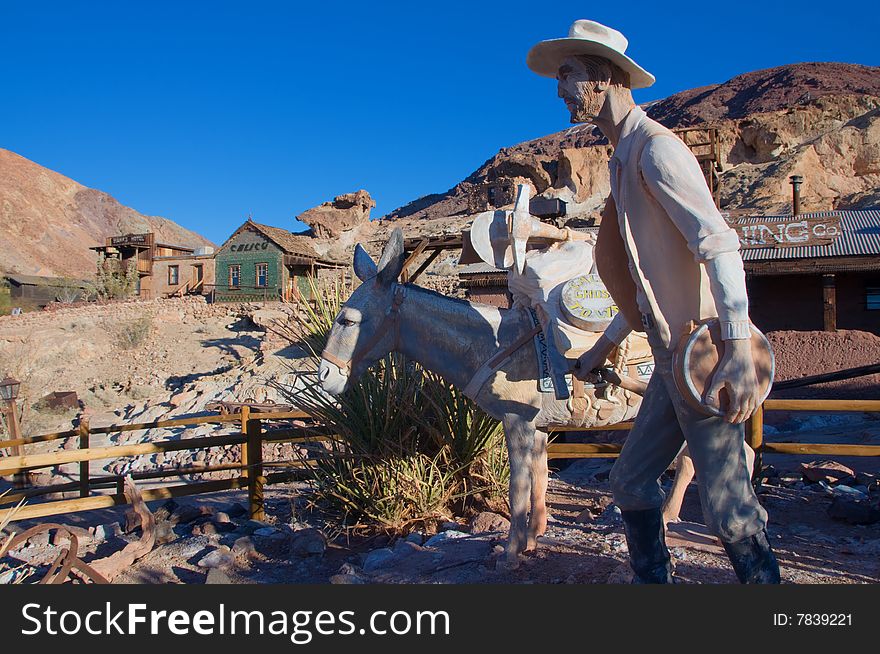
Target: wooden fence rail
{"x":253,"y":434}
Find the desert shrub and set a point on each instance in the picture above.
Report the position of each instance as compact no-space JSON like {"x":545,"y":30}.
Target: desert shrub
{"x":5,"y":298}
{"x":70,"y":291}
{"x":111,"y":282}
{"x":408,"y":448}
{"x":131,"y":334}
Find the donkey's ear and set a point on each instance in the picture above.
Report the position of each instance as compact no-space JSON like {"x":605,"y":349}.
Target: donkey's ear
{"x":364,"y":266}
{"x":391,"y":262}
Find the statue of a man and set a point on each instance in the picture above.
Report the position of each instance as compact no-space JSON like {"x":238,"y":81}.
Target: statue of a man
{"x":683,"y":265}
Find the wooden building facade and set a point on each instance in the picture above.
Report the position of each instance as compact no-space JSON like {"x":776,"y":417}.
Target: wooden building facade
{"x":261,"y":263}
{"x":155,"y":263}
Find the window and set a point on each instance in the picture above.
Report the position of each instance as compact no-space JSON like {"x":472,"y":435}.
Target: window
{"x":262,"y":275}
{"x":173,"y":275}
{"x":235,"y":276}
{"x":872,"y":296}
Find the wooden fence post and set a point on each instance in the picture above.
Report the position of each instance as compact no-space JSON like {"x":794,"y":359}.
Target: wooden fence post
{"x":83,"y":429}
{"x":245,"y":416}
{"x":256,"y":480}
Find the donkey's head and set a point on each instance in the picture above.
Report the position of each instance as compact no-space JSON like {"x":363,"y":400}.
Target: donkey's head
{"x":366,"y":328}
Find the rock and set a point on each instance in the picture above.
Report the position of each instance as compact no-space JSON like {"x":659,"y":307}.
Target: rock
{"x":486,"y":521}
{"x":831,"y":472}
{"x":308,"y":542}
{"x":585,"y":516}
{"x":842,"y":490}
{"x":610,"y":516}
{"x":180,"y":399}
{"x":218,"y":558}
{"x":205,"y":529}
{"x":377,"y":559}
{"x":164,"y":512}
{"x":415,"y":537}
{"x":403,"y":548}
{"x":221,"y":517}
{"x":107,"y":532}
{"x":346,"y":580}
{"x":853,"y":511}
{"x":185,"y":513}
{"x":444,"y":537}
{"x":622,"y":574}
{"x":253,"y":525}
{"x":165,"y":533}
{"x":265,"y":532}
{"x":244,"y":548}
{"x":344,"y":213}
{"x":224,"y":527}
{"x":449,"y":525}
{"x":276,"y":545}
{"x":217,"y":576}
{"x":266,"y":318}
{"x":347,"y":569}
{"x":235,"y":510}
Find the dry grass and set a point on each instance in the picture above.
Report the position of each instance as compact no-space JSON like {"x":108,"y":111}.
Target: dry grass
{"x":131,"y":334}
{"x":9,"y":574}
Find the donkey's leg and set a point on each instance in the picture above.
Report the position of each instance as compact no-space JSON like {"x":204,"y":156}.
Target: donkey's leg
{"x":684,"y":474}
{"x":519,"y":434}
{"x":538,"y":513}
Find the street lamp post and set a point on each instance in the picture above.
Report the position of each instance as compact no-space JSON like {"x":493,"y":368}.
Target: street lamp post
{"x":9,"y":394}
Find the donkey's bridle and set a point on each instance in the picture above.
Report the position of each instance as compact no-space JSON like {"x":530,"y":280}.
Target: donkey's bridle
{"x":392,"y":316}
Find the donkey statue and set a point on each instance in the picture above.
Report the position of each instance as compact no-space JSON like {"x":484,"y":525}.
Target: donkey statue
{"x":455,"y":339}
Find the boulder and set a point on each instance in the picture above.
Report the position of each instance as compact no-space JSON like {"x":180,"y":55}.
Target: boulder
{"x":831,"y":472}
{"x":486,"y":521}
{"x":345,"y":212}
{"x":377,"y":559}
{"x":217,"y":558}
{"x":308,"y":542}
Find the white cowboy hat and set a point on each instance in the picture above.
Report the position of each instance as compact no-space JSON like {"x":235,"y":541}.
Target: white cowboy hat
{"x":587,"y":37}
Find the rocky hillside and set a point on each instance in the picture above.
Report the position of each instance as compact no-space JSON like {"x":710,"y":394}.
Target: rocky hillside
{"x":819,"y":120}
{"x":48,"y":221}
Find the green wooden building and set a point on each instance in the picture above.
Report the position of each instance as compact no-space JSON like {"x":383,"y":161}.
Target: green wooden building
{"x":260,"y":263}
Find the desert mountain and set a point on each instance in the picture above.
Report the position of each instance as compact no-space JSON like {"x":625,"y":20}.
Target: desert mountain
{"x":48,"y":222}
{"x":819,"y":120}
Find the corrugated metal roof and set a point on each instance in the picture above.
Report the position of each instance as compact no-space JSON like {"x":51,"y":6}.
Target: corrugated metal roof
{"x":860,"y":236}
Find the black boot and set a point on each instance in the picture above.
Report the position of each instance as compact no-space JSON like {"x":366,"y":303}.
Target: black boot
{"x":753,"y":559}
{"x":648,"y":555}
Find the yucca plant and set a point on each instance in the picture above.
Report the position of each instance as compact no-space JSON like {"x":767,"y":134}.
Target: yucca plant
{"x":408,"y":447}
{"x":314,"y":315}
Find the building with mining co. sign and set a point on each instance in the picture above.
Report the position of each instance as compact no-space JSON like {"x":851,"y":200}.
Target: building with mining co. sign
{"x":816,"y":271}
{"x":813,"y":271}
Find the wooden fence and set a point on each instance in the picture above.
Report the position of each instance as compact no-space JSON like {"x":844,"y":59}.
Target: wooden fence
{"x":256,"y":429}
{"x":252,"y":435}
{"x":754,"y":433}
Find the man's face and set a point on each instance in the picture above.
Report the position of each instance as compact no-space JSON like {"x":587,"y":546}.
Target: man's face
{"x":583,"y":96}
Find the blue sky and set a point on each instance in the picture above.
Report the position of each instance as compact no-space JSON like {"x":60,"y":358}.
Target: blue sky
{"x":207,"y":112}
